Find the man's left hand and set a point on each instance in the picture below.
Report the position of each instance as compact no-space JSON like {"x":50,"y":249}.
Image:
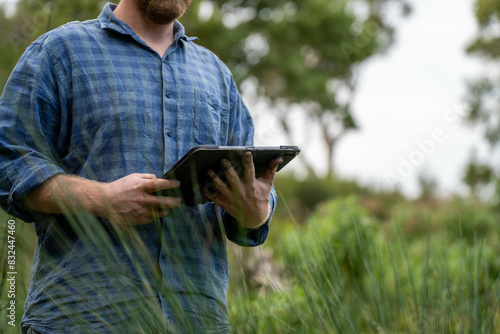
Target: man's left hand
{"x":245,"y":198}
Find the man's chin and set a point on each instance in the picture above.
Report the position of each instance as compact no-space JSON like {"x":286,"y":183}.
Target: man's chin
{"x":163,"y":12}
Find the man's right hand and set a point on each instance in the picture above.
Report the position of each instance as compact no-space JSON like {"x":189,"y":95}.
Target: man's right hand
{"x":129,"y":200}
{"x":132,"y":199}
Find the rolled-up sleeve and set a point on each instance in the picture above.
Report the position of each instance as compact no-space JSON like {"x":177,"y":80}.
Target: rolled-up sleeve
{"x":248,"y":237}
{"x":32,"y":128}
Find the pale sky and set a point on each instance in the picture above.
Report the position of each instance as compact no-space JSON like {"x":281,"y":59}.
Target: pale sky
{"x":413,"y":92}
{"x":9,"y":5}
{"x":409,"y":102}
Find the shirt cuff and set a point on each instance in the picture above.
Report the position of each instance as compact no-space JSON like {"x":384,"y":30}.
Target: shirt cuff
{"x":248,"y":237}
{"x":29,"y":180}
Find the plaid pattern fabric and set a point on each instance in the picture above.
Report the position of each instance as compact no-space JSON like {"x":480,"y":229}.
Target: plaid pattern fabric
{"x":92,"y":99}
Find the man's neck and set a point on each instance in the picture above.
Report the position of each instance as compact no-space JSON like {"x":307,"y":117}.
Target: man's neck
{"x":158,"y":36}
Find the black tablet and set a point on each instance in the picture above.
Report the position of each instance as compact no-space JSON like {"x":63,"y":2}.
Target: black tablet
{"x":192,"y":169}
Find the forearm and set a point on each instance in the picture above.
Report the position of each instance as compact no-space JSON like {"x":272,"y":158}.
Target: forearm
{"x":129,"y":200}
{"x":66,"y":194}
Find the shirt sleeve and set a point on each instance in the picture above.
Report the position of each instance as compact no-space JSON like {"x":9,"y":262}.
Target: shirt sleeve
{"x":32,"y":129}
{"x":241,"y":133}
{"x":248,"y":237}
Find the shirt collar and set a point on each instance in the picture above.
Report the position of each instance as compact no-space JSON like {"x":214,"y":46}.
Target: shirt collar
{"x":109,"y":21}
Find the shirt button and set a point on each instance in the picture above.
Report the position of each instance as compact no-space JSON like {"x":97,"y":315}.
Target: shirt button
{"x":168,"y":94}
{"x":169,"y":133}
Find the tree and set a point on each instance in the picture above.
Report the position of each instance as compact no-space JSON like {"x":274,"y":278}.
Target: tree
{"x":428,"y":186}
{"x":476,"y":175}
{"x":33,"y":18}
{"x":299,"y":53}
{"x":296,"y":53}
{"x":483,"y":98}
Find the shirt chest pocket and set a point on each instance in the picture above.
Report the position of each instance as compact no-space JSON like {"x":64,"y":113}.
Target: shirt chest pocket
{"x":210,"y":118}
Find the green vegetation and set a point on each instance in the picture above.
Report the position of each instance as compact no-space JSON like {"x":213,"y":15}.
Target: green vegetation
{"x":421,"y":267}
{"x":482,"y":99}
{"x":341,"y":257}
{"x":428,"y":267}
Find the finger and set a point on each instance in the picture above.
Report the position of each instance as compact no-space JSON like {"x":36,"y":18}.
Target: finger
{"x":232,"y":176}
{"x":146,"y":176}
{"x":248,"y":168}
{"x":218,"y":183}
{"x":154,"y":185}
{"x":270,"y":172}
{"x":162,"y":202}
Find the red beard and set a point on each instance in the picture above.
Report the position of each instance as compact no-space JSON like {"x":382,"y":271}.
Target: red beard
{"x":162,"y":11}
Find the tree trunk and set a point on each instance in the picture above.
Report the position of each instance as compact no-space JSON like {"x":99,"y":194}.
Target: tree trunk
{"x":330,"y":143}
{"x":309,"y":167}
{"x":330,"y":154}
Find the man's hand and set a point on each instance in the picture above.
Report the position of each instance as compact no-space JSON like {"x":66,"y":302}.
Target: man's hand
{"x":132,"y":199}
{"x":245,"y":198}
{"x":129,"y":200}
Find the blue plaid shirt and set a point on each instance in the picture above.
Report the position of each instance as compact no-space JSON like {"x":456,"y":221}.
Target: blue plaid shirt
{"x":92,"y":99}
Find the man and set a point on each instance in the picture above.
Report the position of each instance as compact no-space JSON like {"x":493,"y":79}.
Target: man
{"x":92,"y":115}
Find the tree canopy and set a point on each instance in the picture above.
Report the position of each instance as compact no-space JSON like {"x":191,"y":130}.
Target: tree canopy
{"x":296,"y":53}
{"x":483,"y":98}
{"x":299,"y":53}
{"x":484,"y":92}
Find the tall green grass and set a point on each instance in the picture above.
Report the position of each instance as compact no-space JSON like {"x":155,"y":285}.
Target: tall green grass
{"x":348,"y":273}
{"x":24,"y":247}
{"x":424,"y":270}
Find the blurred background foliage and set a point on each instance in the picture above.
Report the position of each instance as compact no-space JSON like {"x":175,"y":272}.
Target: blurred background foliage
{"x":342,"y":256}
{"x":483,"y":98}
{"x":303,"y":53}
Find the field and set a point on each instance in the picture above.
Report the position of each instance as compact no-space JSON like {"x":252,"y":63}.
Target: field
{"x":364,"y":263}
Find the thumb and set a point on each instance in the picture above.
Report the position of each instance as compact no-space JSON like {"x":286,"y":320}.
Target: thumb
{"x":271,"y":170}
